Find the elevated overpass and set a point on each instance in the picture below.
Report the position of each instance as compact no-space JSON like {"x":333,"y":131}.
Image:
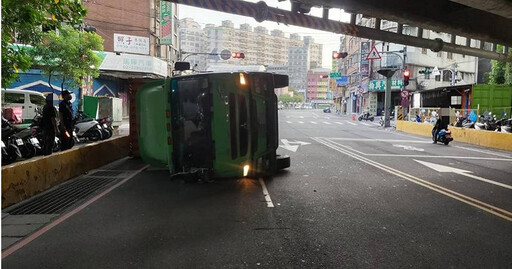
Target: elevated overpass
{"x":476,"y":27}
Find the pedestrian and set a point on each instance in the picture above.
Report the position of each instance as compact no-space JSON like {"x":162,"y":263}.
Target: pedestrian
{"x":66,"y":121}
{"x":49,"y":125}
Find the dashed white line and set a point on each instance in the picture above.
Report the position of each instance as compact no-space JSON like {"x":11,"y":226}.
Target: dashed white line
{"x":288,"y":121}
{"x":265,"y":193}
{"x":313,"y":122}
{"x":301,"y":117}
{"x":327,"y":123}
{"x":337,"y":122}
{"x":366,"y":124}
{"x":301,"y":122}
{"x":350,"y":122}
{"x":327,"y":117}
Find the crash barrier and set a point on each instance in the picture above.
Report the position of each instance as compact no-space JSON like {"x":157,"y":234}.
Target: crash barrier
{"x":24,"y":179}
{"x":484,"y":138}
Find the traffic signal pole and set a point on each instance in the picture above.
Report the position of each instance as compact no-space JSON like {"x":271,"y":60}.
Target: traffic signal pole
{"x":387,"y":103}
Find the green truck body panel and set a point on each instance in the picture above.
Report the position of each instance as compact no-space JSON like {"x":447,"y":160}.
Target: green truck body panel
{"x":152,"y":102}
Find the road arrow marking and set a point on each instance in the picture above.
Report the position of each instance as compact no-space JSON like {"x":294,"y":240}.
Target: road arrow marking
{"x":408,"y":147}
{"x":288,"y":145}
{"x":447,"y":169}
{"x":339,"y":123}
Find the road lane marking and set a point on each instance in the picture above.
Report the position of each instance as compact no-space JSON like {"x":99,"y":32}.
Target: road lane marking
{"x":350,"y":122}
{"x":288,"y":121}
{"x":35,"y":235}
{"x":313,"y":122}
{"x":301,"y":117}
{"x":486,"y":152}
{"x":337,"y":122}
{"x":502,"y":213}
{"x":265,"y":193}
{"x":327,"y":117}
{"x":448,"y":169}
{"x":364,"y":123}
{"x":328,"y":123}
{"x":407,"y":147}
{"x":301,"y":122}
{"x":380,"y":140}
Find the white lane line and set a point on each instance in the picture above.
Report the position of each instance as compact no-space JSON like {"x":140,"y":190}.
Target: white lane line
{"x":265,"y":193}
{"x":288,"y":121}
{"x":328,"y":123}
{"x":301,"y":122}
{"x":301,"y":117}
{"x":350,"y":122}
{"x":326,"y":117}
{"x":486,"y":152}
{"x":379,"y":140}
{"x":364,"y":123}
{"x":441,"y":156}
{"x":287,"y":117}
{"x":502,"y":213}
{"x":314,"y":122}
{"x":337,"y":122}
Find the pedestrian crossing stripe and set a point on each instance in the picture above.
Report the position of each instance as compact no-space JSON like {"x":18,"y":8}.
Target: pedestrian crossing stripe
{"x":327,"y":123}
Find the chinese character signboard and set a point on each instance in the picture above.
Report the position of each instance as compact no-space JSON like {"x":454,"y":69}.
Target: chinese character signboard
{"x":335,"y":75}
{"x":380,"y":85}
{"x":165,"y":23}
{"x":364,"y":67}
{"x":131,"y":44}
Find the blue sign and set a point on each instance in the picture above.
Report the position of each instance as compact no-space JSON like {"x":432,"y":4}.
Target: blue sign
{"x":342,"y":80}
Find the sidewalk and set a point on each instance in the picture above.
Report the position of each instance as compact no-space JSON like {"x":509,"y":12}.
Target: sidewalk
{"x":28,"y":216}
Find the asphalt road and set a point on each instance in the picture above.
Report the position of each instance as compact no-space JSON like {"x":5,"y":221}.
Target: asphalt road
{"x":356,"y":196}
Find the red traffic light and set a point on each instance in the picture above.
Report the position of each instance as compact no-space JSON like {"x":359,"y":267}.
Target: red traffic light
{"x":238,"y":55}
{"x":339,"y":55}
{"x":407,"y":73}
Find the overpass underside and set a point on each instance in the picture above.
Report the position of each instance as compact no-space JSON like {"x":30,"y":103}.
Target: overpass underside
{"x":475,"y":28}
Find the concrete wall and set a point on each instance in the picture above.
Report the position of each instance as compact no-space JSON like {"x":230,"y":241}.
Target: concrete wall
{"x":489,"y":139}
{"x":24,"y":179}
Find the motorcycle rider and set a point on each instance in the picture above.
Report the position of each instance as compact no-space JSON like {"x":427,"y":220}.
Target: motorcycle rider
{"x":437,"y":128}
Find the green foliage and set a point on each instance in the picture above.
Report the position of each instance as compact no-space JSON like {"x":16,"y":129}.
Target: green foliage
{"x":501,"y":72}
{"x":22,"y":21}
{"x":69,"y":55}
{"x":287,"y":98}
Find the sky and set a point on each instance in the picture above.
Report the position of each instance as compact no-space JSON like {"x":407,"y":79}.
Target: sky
{"x":329,"y":40}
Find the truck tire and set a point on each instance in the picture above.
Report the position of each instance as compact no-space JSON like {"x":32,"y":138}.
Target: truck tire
{"x":282,"y":162}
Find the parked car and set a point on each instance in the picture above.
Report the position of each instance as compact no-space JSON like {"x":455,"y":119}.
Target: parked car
{"x":29,"y":101}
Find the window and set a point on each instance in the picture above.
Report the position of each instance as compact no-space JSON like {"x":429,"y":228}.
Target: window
{"x":456,"y":100}
{"x":232,"y":126}
{"x":243,"y":128}
{"x":14,"y":98}
{"x":37,"y":100}
{"x":438,"y":78}
{"x":447,"y":75}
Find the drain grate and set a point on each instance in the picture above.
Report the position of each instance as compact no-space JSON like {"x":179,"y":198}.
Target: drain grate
{"x":106,"y":174}
{"x":62,"y":197}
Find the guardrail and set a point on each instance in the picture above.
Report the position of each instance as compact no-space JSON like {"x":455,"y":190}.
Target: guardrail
{"x":24,"y":179}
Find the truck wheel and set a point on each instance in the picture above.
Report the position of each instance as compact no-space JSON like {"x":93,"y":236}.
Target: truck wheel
{"x":282,"y":162}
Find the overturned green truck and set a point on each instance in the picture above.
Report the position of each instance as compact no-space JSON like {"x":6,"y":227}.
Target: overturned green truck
{"x":212,"y":125}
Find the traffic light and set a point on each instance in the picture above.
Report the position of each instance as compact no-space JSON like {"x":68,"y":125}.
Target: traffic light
{"x":407,"y":75}
{"x":339,"y":55}
{"x":426,"y":71}
{"x":238,"y":55}
{"x":324,"y":76}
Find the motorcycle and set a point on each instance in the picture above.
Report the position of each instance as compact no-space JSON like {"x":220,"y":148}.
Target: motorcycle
{"x":327,"y":110}
{"x":366,"y":116}
{"x":87,"y":128}
{"x":106,"y":127}
{"x":444,"y":136}
{"x":31,"y":142}
{"x":10,"y":143}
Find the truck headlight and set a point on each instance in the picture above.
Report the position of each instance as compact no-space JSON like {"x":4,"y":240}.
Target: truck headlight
{"x":246,"y":170}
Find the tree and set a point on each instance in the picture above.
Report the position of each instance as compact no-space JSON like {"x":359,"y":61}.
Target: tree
{"x":286,"y":98}
{"x":68,"y":54}
{"x":501,"y":72}
{"x":22,"y":23}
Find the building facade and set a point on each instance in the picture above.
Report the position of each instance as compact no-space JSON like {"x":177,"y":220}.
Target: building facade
{"x":318,"y":85}
{"x":192,"y":40}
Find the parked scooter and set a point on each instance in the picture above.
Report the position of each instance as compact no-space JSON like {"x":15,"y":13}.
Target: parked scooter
{"x":31,"y":142}
{"x":87,"y":128}
{"x":366,"y":116}
{"x":106,"y":127}
{"x":327,"y":110}
{"x":9,"y":143}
